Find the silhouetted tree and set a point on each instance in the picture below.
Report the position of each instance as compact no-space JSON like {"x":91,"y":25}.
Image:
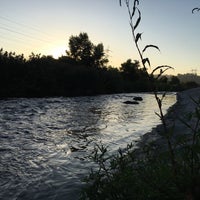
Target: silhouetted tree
{"x":130,"y":69}
{"x":164,"y":79}
{"x":175,"y":80}
{"x":99,"y":56}
{"x":82,"y":50}
{"x":43,"y":76}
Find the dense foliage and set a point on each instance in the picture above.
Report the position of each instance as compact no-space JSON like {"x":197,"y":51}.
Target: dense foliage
{"x":82,"y":50}
{"x":83,"y":71}
{"x":41,"y":76}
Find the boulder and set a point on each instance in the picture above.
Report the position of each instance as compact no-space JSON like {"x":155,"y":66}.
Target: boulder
{"x":138,"y":98}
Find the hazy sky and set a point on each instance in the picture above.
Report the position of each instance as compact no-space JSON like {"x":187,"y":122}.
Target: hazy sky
{"x":44,"y":26}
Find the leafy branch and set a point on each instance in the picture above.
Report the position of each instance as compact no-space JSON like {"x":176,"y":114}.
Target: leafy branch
{"x":133,"y":10}
{"x":135,"y":17}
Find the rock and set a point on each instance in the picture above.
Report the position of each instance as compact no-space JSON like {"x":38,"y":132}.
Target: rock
{"x":130,"y":102}
{"x":138,"y":98}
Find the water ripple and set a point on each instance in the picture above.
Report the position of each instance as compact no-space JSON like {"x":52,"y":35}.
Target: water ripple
{"x":45,"y":143}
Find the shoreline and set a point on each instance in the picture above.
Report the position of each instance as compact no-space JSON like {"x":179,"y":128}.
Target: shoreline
{"x":183,"y":106}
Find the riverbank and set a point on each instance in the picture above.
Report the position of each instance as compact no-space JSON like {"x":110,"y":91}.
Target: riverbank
{"x":185,"y":104}
{"x":167,"y":169}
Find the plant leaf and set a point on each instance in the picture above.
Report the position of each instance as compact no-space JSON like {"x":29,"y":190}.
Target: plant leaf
{"x":136,"y":2}
{"x":150,"y":46}
{"x":133,"y":13}
{"x":165,"y":67}
{"x":144,"y":60}
{"x":195,"y":9}
{"x":158,"y":115}
{"x":138,"y":36}
{"x":134,"y":7}
{"x":163,"y":95}
{"x":138,"y":20}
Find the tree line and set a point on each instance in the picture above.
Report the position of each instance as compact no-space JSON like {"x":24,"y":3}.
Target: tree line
{"x":82,"y":71}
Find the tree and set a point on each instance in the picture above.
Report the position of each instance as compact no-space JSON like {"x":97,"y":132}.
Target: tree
{"x":99,"y":56}
{"x":175,"y":80}
{"x":82,"y":50}
{"x":164,"y":79}
{"x":130,"y":69}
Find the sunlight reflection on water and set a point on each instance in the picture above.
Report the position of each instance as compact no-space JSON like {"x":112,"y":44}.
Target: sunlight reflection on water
{"x":45,"y":143}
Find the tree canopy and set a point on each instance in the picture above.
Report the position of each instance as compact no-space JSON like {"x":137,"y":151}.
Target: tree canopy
{"x":82,"y":50}
{"x":82,"y":71}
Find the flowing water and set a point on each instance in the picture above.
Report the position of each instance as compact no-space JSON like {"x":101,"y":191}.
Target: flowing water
{"x":45,"y":143}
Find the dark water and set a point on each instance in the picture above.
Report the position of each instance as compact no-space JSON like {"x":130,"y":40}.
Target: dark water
{"x":45,"y":143}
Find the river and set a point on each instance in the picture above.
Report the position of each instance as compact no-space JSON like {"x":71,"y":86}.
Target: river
{"x":45,"y":143}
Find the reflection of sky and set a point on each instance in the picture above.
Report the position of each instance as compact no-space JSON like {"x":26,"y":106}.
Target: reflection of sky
{"x":126,"y":123}
{"x":100,"y":118}
{"x":46,"y":142}
{"x":49,"y":24}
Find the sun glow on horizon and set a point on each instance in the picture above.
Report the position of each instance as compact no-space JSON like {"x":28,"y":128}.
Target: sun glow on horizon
{"x":58,"y":51}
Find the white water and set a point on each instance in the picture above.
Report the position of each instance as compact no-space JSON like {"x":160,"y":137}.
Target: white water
{"x":45,"y":143}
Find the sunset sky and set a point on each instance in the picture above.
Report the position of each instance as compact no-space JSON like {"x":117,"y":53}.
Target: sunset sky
{"x":44,"y":26}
